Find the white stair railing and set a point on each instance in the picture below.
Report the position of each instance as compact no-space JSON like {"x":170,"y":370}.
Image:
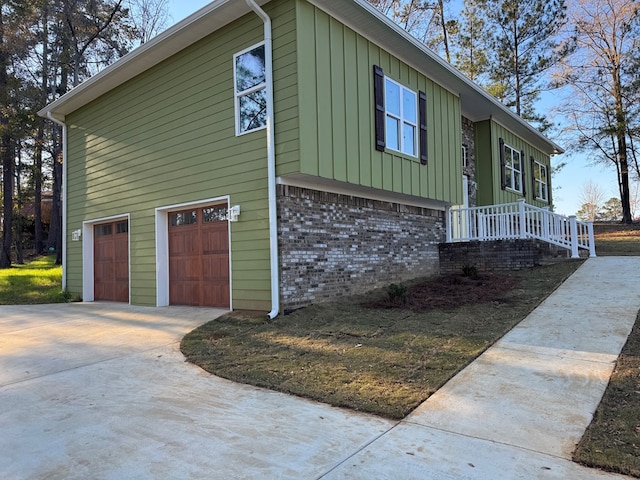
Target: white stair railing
{"x":519,"y":220}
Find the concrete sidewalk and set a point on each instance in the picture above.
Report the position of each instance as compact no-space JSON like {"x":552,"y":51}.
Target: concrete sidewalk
{"x":519,"y":409}
{"x":102,"y":391}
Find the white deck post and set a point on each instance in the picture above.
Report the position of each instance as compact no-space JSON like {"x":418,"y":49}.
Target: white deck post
{"x":523,"y":219}
{"x":573,"y":233}
{"x":592,"y":240}
{"x":448,"y":224}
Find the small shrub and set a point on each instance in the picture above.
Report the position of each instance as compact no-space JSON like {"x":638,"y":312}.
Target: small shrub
{"x":469,"y":270}
{"x":397,"y":293}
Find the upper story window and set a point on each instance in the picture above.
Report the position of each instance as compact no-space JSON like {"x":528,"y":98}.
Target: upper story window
{"x":250,"y":87}
{"x":400,"y":117}
{"x":512,"y":168}
{"x":541,"y":184}
{"x":401,"y":112}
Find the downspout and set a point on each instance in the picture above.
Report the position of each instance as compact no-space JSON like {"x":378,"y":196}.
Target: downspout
{"x":271,"y":160}
{"x":63,"y":196}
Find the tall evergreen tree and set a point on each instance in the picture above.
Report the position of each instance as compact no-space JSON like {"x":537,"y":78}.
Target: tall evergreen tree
{"x":525,"y":46}
{"x":471,"y":41}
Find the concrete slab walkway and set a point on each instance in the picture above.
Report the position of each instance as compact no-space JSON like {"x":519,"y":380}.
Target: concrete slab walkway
{"x":101,"y":391}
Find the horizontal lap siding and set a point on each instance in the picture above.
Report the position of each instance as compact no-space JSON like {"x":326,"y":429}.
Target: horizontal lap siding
{"x":336,"y":114}
{"x":168,"y":137}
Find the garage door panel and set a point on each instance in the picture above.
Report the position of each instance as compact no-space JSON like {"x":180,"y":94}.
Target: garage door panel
{"x":215,"y":268}
{"x":199,"y":257}
{"x":111,"y":261}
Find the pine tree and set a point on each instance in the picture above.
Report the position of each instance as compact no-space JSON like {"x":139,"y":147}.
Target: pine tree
{"x":525,"y":46}
{"x":471,"y":41}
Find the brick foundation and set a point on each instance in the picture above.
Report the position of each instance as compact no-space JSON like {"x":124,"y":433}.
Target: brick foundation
{"x":497,"y":255}
{"x":333,"y":245}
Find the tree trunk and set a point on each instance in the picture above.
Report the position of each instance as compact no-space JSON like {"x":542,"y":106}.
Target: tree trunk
{"x":6,"y":154}
{"x":621,"y":139}
{"x":37,"y":174}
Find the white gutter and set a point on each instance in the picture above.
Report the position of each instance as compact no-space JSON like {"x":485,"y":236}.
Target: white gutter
{"x":63,"y":196}
{"x":271,"y":160}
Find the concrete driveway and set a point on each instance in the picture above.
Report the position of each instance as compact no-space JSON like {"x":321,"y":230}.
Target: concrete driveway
{"x":101,"y":391}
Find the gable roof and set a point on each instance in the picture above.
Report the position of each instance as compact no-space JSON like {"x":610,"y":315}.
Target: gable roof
{"x":358,"y":15}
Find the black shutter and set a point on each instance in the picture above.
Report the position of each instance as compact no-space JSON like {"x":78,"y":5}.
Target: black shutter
{"x":524,"y":169}
{"x":503,"y":173}
{"x":378,"y":93}
{"x":422,"y":114}
{"x":534,"y":187}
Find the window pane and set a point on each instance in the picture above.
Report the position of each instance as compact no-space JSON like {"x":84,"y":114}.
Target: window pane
{"x":517,"y":185}
{"x":393,"y":137}
{"x":253,"y":110}
{"x":183,"y":218}
{"x":509,"y":178}
{"x":214,"y":214}
{"x":392,"y":98}
{"x":409,"y":106}
{"x":516,"y":160}
{"x":102,"y":230}
{"x":122,"y":227}
{"x":250,"y":69}
{"x":409,"y":139}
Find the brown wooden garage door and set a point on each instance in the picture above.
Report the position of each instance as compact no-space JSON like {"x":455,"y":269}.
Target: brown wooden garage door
{"x":199,"y":257}
{"x":111,"y":261}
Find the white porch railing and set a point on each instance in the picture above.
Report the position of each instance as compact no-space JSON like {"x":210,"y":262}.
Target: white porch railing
{"x":519,"y":220}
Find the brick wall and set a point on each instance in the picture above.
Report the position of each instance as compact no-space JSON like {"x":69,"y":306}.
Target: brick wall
{"x":333,"y":245}
{"x":497,"y":255}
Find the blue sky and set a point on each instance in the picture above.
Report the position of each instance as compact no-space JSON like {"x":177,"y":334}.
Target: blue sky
{"x":567,"y":184}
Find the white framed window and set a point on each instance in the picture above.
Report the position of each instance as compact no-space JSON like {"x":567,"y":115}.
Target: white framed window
{"x":513,"y":168}
{"x":401,"y":118}
{"x":541,"y":181}
{"x":465,"y":162}
{"x":250,"y":89}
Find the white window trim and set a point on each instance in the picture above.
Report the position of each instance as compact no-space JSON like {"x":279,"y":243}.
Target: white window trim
{"x":465,"y":160}
{"x":540,"y":182}
{"x":238,"y":95}
{"x":162,"y":247}
{"x":88,"y":273}
{"x":402,"y":120}
{"x":507,"y":151}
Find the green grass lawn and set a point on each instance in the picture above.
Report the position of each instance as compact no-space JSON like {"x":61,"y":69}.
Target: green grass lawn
{"x":382,"y":353}
{"x":38,"y":281}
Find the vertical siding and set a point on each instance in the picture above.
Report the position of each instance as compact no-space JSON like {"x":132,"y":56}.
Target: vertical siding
{"x":488,"y":134}
{"x":336,"y":114}
{"x":168,"y":137}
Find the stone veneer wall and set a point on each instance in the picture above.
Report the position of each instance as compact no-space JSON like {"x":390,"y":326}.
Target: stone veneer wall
{"x":468,"y":140}
{"x":497,"y":255}
{"x":333,"y":245}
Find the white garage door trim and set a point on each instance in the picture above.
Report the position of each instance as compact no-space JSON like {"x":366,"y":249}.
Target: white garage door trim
{"x":88,"y":251}
{"x":162,"y":247}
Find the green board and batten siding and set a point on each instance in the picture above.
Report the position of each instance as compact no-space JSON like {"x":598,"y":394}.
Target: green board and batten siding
{"x":167,"y":137}
{"x":335,"y":68}
{"x":487,"y":140}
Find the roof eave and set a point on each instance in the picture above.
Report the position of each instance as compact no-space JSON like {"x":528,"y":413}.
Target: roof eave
{"x":476,"y":103}
{"x":195,"y":27}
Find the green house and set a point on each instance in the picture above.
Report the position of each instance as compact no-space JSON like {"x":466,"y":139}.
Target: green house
{"x":273,"y":154}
